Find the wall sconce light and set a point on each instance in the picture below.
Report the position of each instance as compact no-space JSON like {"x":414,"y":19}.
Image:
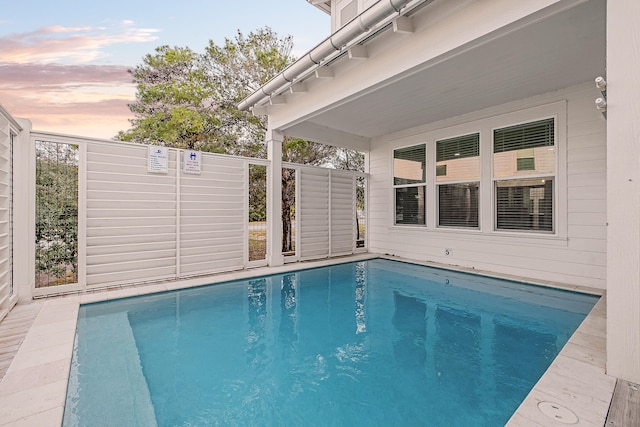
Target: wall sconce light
{"x":601,"y":84}
{"x":601,"y":103}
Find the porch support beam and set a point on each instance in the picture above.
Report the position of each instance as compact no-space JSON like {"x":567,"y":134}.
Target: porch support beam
{"x":274,"y":140}
{"x":623,"y":190}
{"x":325,"y":135}
{"x":24,"y":226}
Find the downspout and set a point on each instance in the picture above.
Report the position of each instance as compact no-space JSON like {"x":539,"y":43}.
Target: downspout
{"x":375,"y":14}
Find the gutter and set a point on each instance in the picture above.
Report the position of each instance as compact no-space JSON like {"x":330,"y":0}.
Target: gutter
{"x":381,"y":11}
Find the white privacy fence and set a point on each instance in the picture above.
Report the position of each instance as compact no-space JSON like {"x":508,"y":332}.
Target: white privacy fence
{"x":6,"y":213}
{"x":327,"y":212}
{"x":145,"y":226}
{"x":136,"y":225}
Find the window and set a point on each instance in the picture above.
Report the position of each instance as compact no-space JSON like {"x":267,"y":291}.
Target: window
{"x":524,"y":159}
{"x":457,"y":178}
{"x":498,"y":175}
{"x":526,"y":163}
{"x":348,"y":12}
{"x":409,"y":181}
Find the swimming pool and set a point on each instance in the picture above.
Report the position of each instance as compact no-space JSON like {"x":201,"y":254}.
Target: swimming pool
{"x":376,"y":342}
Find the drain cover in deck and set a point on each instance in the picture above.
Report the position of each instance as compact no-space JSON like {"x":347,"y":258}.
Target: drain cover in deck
{"x":558,"y":412}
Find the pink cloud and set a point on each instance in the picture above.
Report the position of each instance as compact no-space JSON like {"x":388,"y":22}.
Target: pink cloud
{"x":14,"y":76}
{"x":44,"y":77}
{"x":76,"y":44}
{"x":85,"y":100}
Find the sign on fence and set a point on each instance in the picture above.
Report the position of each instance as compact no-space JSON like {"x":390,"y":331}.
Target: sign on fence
{"x":158,"y":159}
{"x":191,"y":162}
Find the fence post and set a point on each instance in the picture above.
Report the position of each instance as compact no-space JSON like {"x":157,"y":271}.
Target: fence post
{"x":274,"y":141}
{"x":24,"y":213}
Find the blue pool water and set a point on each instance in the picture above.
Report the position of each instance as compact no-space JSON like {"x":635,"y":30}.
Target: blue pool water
{"x":373,"y":343}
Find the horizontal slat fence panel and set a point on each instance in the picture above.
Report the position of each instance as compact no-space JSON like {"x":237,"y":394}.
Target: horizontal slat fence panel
{"x":327,"y":212}
{"x":343,"y":213}
{"x":137,"y":226}
{"x":213,"y":217}
{"x":131,"y":216}
{"x":313,"y":213}
{"x":6,"y":233}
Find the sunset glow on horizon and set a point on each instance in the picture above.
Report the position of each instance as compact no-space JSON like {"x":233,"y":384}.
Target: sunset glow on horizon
{"x":69,"y":72}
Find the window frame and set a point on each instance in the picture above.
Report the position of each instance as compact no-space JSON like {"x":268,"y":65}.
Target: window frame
{"x":477,"y":180}
{"x":555,"y":192}
{"x":423,"y":184}
{"x":487,"y":217}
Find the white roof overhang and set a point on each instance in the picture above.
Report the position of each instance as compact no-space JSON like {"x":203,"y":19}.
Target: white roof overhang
{"x":323,"y":5}
{"x":557,"y":47}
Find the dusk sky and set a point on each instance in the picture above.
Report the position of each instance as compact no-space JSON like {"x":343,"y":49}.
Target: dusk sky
{"x":63,"y":65}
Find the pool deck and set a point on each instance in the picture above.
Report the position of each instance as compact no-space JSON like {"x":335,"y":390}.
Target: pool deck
{"x":574,"y":390}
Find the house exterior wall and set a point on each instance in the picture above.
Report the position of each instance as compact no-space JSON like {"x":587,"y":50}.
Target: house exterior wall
{"x":623,"y":180}
{"x":574,"y":254}
{"x":8,"y":134}
{"x":342,"y":11}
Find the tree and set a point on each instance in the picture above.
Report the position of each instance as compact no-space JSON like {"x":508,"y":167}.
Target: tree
{"x":242,"y":66}
{"x":174,"y":104}
{"x":295,"y":150}
{"x":56,"y":213}
{"x":189,"y":100}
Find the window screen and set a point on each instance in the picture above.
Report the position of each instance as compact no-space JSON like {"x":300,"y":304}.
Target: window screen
{"x":409,"y":180}
{"x":525,"y":149}
{"x":525,"y":204}
{"x":409,"y":165}
{"x":458,"y":205}
{"x":458,"y":159}
{"x":458,"y":148}
{"x":528,"y":135}
{"x":410,"y":205}
{"x":524,"y":168}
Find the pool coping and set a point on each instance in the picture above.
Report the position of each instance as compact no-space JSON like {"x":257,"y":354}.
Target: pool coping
{"x":33,"y":391}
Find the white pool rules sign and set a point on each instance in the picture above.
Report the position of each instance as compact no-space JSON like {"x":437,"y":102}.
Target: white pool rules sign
{"x":192,"y":162}
{"x":158,"y":159}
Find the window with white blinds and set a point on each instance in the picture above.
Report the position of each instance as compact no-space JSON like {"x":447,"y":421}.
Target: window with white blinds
{"x":524,"y":166}
{"x":409,"y":180}
{"x":457,"y":178}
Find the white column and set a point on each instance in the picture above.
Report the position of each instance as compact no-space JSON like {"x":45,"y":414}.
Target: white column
{"x":24,"y":205}
{"x":274,"y":141}
{"x":623,"y":189}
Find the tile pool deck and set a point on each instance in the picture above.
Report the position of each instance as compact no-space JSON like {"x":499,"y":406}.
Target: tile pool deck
{"x":575,"y":389}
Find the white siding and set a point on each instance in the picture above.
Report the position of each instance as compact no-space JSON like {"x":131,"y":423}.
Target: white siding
{"x":5,"y":215}
{"x":576,"y":255}
{"x":623,"y":133}
{"x":212,"y":217}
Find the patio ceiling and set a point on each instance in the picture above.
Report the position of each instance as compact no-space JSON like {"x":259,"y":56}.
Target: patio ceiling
{"x":565,"y":49}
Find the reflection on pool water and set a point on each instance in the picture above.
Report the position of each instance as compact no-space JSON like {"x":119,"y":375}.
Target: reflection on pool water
{"x":369,"y":343}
